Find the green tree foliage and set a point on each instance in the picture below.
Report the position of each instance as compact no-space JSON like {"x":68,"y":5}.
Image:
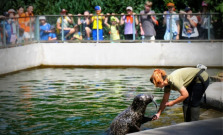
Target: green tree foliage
{"x":53,"y":7}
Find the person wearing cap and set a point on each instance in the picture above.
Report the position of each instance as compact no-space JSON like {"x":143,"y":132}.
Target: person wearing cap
{"x":12,"y":22}
{"x":29,"y":20}
{"x":97,"y":25}
{"x":66,"y":21}
{"x":175,"y":27}
{"x":190,"y":82}
{"x":52,"y":34}
{"x":128,"y":20}
{"x":44,"y":28}
{"x":114,"y":32}
{"x":147,"y":22}
{"x":204,"y":22}
{"x":189,"y":29}
{"x":85,"y":24}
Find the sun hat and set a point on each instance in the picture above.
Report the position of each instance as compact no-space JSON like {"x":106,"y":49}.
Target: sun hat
{"x":11,"y":11}
{"x":113,"y":19}
{"x":204,"y":4}
{"x":148,"y":3}
{"x":170,"y":4}
{"x":97,"y":8}
{"x":42,"y":18}
{"x":63,"y":11}
{"x":187,"y":9}
{"x":129,"y":8}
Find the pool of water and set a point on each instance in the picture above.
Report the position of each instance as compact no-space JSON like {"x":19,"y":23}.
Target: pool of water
{"x":76,"y":100}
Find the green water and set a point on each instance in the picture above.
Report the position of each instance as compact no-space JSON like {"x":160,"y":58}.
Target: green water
{"x":75,"y":100}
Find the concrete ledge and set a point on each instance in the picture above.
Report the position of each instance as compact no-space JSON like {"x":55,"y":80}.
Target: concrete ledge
{"x":111,"y":54}
{"x":203,"y":127}
{"x":214,"y":94}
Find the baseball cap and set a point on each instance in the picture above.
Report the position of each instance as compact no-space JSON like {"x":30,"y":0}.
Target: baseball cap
{"x":42,"y":18}
{"x":187,"y":9}
{"x":97,"y":8}
{"x":129,"y":8}
{"x":204,"y":4}
{"x":63,"y":11}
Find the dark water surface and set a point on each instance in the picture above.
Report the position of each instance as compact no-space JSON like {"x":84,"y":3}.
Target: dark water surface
{"x":75,"y":100}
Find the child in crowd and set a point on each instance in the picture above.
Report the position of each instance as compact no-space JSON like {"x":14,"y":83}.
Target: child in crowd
{"x":128,"y":20}
{"x":67,"y":20}
{"x":44,"y":28}
{"x":52,"y":34}
{"x":29,"y":20}
{"x":77,"y":35}
{"x":85,"y":24}
{"x":114,"y":32}
{"x":12,"y":23}
{"x":175,"y":27}
{"x":97,"y":25}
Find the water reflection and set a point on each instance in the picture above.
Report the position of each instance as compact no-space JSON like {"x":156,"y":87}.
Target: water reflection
{"x":75,"y":100}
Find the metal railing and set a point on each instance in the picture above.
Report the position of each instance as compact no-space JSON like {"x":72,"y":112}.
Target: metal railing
{"x":14,"y":32}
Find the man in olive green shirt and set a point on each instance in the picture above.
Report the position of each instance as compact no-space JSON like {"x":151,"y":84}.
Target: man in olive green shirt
{"x":188,"y":83}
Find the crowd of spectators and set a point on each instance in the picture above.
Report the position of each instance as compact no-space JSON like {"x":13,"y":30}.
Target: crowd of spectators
{"x":89,"y":26}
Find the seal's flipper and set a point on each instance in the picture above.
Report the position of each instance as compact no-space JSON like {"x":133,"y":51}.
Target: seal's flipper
{"x":146,"y":119}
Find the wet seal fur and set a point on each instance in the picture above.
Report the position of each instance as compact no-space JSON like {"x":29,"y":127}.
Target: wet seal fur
{"x":132,"y":118}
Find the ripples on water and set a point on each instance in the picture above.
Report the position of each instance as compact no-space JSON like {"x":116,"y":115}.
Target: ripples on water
{"x":72,"y":100}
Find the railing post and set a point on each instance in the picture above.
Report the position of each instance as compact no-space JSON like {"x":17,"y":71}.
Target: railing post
{"x":17,"y":30}
{"x":37,"y":29}
{"x":4,"y":35}
{"x":209,"y":24}
{"x":97,"y":30}
{"x":30,"y":28}
{"x":62,"y":29}
{"x":171,"y":31}
{"x":133,"y":28}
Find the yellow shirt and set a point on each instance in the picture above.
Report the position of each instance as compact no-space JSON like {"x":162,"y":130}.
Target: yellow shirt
{"x":99,"y":22}
{"x":183,"y":77}
{"x":114,"y":33}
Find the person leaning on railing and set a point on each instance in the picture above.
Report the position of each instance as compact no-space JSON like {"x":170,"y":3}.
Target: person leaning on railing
{"x":29,"y":20}
{"x":189,"y":29}
{"x":44,"y":28}
{"x":147,"y":22}
{"x":86,"y":24}
{"x":128,"y":20}
{"x":175,"y":27}
{"x":97,"y":29}
{"x":66,"y":21}
{"x":113,"y":27}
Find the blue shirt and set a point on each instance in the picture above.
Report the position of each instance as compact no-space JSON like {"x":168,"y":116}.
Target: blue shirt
{"x":52,"y":35}
{"x":44,"y":35}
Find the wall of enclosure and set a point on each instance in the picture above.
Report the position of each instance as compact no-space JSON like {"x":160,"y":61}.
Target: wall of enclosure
{"x":110,"y":54}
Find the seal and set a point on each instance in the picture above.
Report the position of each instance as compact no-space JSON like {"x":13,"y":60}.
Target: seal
{"x":132,"y":118}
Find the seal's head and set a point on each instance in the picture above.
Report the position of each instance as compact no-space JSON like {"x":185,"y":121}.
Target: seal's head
{"x":141,"y":101}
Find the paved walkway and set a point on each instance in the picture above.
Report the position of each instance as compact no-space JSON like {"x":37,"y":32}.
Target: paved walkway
{"x":202,"y":127}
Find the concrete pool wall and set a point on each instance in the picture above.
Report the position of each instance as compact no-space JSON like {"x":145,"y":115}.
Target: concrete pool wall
{"x":110,"y":54}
